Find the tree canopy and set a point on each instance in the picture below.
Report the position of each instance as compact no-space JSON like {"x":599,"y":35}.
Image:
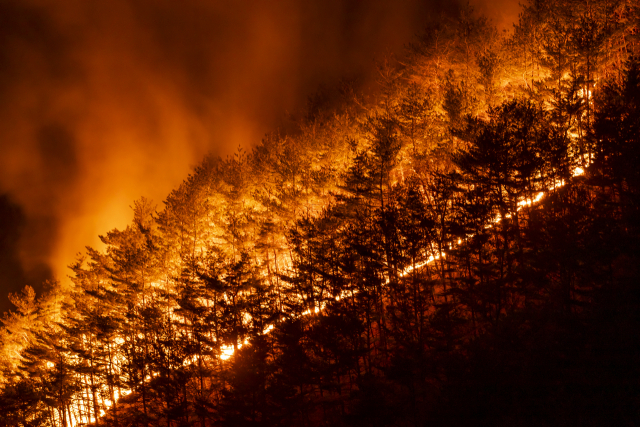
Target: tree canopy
{"x":460,"y":248}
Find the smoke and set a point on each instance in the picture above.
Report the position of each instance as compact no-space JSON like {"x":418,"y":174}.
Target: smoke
{"x":502,"y":13}
{"x":102,"y":102}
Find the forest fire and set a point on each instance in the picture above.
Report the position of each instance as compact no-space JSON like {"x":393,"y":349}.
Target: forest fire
{"x":451,"y":242}
{"x":113,"y":101}
{"x":227,"y":351}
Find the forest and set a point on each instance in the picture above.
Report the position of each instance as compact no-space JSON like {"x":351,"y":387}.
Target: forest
{"x":458,"y":247}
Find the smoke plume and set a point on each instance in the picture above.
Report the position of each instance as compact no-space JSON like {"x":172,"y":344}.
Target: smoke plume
{"x":102,"y":102}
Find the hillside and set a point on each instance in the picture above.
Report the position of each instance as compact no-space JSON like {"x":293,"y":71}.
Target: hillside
{"x":459,"y":248}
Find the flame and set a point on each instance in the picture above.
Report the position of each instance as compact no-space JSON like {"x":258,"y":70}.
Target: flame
{"x":581,"y":93}
{"x":227,"y":350}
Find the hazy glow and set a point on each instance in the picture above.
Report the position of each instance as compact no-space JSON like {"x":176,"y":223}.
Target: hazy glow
{"x":106,"y":102}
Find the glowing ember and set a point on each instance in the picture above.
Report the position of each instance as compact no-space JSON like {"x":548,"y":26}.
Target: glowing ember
{"x":227,"y":351}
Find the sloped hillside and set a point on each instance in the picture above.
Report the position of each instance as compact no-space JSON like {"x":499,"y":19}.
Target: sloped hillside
{"x":461,"y":248}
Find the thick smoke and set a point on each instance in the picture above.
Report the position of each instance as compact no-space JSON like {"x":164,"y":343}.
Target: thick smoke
{"x":102,"y":102}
